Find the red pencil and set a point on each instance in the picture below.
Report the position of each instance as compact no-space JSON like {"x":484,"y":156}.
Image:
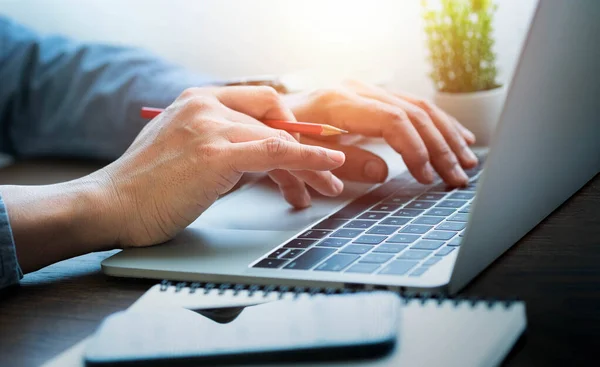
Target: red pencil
{"x":289,"y":126}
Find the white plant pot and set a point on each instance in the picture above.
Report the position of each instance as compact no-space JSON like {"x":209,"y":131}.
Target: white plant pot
{"x":477,"y":111}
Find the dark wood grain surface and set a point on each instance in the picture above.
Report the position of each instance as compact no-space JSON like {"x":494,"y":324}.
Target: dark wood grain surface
{"x":555,"y":269}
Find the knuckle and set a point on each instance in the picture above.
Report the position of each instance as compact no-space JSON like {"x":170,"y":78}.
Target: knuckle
{"x":188,"y":93}
{"x":198,"y":103}
{"x":420,"y":119}
{"x":397,"y":118}
{"x":285,"y":136}
{"x":268,"y":94}
{"x":328,"y":95}
{"x":208,"y":151}
{"x":275,"y":147}
{"x":420,"y":156}
{"x":427,"y":106}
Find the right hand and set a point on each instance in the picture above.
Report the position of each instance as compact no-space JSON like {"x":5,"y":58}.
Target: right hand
{"x":197,"y":150}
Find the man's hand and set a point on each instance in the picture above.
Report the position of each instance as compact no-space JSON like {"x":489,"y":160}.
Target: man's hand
{"x":175,"y":169}
{"x":427,"y":138}
{"x":197,"y":150}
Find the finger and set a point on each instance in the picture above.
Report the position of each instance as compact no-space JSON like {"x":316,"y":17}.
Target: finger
{"x":446,"y":147}
{"x":293,"y":190}
{"x":466,"y":133}
{"x":361,"y":165}
{"x":323,"y":181}
{"x":259,"y":102}
{"x":448,"y":126}
{"x":274,"y":153}
{"x":245,"y":132}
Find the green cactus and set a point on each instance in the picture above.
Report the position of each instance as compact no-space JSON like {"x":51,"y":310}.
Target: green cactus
{"x":460,"y":42}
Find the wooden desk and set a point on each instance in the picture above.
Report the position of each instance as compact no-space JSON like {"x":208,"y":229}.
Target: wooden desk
{"x":555,"y":269}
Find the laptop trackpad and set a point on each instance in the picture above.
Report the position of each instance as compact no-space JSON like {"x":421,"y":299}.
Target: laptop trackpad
{"x":260,"y":205}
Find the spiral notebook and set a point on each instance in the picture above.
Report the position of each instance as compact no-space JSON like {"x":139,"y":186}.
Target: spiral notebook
{"x":432,"y":331}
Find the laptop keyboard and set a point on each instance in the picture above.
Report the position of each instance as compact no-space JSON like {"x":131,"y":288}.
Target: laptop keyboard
{"x":400,"y":228}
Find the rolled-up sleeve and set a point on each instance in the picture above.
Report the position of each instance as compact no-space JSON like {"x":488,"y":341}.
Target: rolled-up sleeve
{"x":59,"y":97}
{"x":10,"y":272}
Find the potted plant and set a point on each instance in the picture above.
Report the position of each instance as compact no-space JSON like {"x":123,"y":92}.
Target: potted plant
{"x":460,"y":42}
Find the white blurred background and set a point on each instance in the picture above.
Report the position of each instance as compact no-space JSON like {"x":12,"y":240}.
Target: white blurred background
{"x":376,"y":40}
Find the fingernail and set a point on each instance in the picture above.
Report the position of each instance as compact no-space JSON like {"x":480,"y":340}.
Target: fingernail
{"x":337,"y":184}
{"x":459,"y":174}
{"x":427,"y":172}
{"x":374,"y":170}
{"x":336,"y":156}
{"x":470,"y":155}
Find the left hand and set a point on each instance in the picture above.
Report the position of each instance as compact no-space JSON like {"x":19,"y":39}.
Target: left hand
{"x":427,"y":138}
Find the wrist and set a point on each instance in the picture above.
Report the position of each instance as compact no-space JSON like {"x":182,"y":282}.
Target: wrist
{"x":55,"y":222}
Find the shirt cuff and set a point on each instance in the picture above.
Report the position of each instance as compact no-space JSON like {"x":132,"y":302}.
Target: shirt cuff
{"x":10,"y":271}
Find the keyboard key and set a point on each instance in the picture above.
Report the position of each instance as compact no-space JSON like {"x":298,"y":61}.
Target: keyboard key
{"x":376,"y":258}
{"x":427,"y":245}
{"x":452,"y":226}
{"x":403,"y":238}
{"x":432,"y":261}
{"x":445,"y":251}
{"x":310,"y":258}
{"x":314,"y":234}
{"x":363,"y":268}
{"x":299,"y":243}
{"x":415,"y":229}
{"x":356,"y":249}
{"x":275,"y":254}
{"x":414,"y":254}
{"x":407,"y":213}
{"x":431,"y":196}
{"x":418,"y":272}
{"x":459,"y":217}
{"x":419,"y":205}
{"x":369,"y":239}
{"x":398,"y":267}
{"x":333,"y":242}
{"x":389,"y":248}
{"x":373,"y":215}
{"x":441,"y":188}
{"x":360,"y":224}
{"x":269,"y":263}
{"x":330,"y":223}
{"x":292,"y":254}
{"x":353,"y":209}
{"x":470,"y":187}
{"x":440,"y":212}
{"x":427,"y":220}
{"x":383,"y":230}
{"x":398,"y":200}
{"x":337,"y":262}
{"x":439,"y":235}
{"x":385,"y":208}
{"x":466,"y":209}
{"x":455,"y":241}
{"x":451,"y":204}
{"x":395,"y":221}
{"x":347,"y":233}
{"x":461,"y":195}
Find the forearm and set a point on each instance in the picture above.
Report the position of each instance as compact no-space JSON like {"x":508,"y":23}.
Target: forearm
{"x":55,"y":222}
{"x":64,"y":98}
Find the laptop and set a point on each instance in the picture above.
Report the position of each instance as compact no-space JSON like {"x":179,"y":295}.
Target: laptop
{"x":400,"y":234}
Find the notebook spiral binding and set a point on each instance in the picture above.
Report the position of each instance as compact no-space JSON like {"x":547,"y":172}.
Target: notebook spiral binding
{"x":407,"y":297}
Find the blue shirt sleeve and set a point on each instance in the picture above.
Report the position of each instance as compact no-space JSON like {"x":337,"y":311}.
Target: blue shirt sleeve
{"x":63,"y":98}
{"x":10,"y":272}
{"x":66,"y":99}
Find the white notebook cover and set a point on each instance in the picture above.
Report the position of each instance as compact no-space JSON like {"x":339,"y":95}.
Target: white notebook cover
{"x":432,"y":333}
